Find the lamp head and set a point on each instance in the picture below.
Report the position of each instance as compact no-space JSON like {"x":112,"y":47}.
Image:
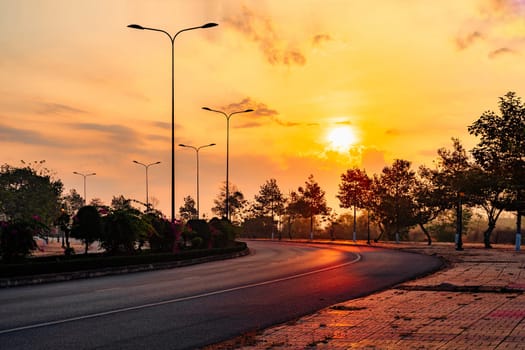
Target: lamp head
{"x":209,"y":25}
{"x":248,"y":110}
{"x":136,"y":26}
{"x":206,"y":108}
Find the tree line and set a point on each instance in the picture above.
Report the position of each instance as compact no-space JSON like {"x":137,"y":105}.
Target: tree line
{"x":489,"y":177}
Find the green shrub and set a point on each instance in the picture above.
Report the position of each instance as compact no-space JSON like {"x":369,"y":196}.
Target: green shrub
{"x":17,"y":238}
{"x":164,"y":235}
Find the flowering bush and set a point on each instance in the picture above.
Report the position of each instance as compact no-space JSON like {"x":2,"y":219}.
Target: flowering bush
{"x":17,"y":237}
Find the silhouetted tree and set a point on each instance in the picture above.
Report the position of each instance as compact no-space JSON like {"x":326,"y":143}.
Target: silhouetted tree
{"x":269,"y":202}
{"x":188,"y":211}
{"x":236,"y":203}
{"x":72,"y":202}
{"x":309,"y":201}
{"x":354,"y":191}
{"x":87,"y":226}
{"x":394,"y":206}
{"x":501,"y":155}
{"x":28,"y":191}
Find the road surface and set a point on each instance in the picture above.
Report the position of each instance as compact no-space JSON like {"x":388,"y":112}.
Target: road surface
{"x":189,"y":307}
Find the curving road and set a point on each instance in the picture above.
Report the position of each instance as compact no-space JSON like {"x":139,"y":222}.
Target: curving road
{"x":186,"y":308}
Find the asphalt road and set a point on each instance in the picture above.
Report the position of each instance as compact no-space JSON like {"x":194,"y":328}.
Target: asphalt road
{"x":186,"y":308}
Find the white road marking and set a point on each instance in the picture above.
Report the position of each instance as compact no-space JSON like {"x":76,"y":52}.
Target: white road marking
{"x":172,"y":301}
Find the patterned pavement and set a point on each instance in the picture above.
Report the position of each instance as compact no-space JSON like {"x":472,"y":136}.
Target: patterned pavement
{"x":477,"y":302}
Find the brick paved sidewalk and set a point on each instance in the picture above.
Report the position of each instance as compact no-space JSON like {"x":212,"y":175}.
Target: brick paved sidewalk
{"x":475,"y":303}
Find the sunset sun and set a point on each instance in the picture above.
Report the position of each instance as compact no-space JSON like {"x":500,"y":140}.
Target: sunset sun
{"x":341,"y":139}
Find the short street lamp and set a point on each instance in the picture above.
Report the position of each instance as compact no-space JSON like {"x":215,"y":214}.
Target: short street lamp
{"x":146,"y":166}
{"x":197,"y":149}
{"x":228,"y":116}
{"x":172,"y":39}
{"x":84,"y":176}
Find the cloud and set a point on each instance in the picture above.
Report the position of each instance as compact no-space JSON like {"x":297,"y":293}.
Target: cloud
{"x":503,"y":8}
{"x":499,"y":24}
{"x":501,"y":51}
{"x":465,"y":41}
{"x":321,"y":38}
{"x":261,"y":31}
{"x":392,"y":132}
{"x":161,"y":125}
{"x":27,"y":137}
{"x":261,"y":110}
{"x":57,"y":109}
{"x":117,"y":135}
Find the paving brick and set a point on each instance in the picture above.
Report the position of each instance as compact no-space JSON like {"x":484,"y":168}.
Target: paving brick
{"x":422,"y":314}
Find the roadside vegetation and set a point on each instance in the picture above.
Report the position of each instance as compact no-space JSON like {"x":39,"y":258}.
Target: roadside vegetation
{"x":464,"y":192}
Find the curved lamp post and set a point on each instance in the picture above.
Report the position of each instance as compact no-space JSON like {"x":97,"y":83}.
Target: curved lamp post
{"x":228,"y":116}
{"x":84,"y":176}
{"x":146,"y":166}
{"x":197,"y":149}
{"x":172,"y":39}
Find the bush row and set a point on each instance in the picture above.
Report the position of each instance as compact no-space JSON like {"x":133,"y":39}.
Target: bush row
{"x":62,"y":264}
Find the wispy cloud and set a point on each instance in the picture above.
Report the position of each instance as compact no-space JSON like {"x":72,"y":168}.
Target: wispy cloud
{"x":466,"y":40}
{"x":57,"y":109}
{"x":501,"y":51}
{"x":261,"y":30}
{"x":499,"y":25}
{"x":27,"y":137}
{"x":320,"y":39}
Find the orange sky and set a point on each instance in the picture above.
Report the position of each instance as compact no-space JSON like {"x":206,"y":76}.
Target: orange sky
{"x":87,"y":94}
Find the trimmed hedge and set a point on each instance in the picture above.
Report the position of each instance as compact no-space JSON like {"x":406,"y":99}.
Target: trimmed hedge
{"x":60,"y":264}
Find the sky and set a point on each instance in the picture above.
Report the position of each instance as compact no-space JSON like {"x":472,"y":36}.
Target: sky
{"x":334,"y":84}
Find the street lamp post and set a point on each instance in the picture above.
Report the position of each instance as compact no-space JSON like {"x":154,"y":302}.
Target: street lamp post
{"x":146,"y":166}
{"x":459,"y":221}
{"x":228,"y":116}
{"x":84,"y":176}
{"x":197,"y":149}
{"x":172,"y":39}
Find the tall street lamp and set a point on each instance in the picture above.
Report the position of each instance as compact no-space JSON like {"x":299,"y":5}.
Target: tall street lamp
{"x":172,"y":39}
{"x":197,"y":149}
{"x":84,"y":176}
{"x":228,"y":116}
{"x":146,"y":166}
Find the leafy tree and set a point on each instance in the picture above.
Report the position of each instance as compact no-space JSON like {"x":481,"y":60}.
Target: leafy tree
{"x":296,"y":207}
{"x":501,"y":155}
{"x":123,"y":227}
{"x":28,"y":191}
{"x":428,"y":199}
{"x":269,"y":202}
{"x":72,"y":202}
{"x":354,"y":191}
{"x":455,"y":182}
{"x":236,"y":202}
{"x":121,"y":203}
{"x":309,"y":201}
{"x":97,"y":202}
{"x":87,"y":225}
{"x":394,"y":206}
{"x":188,"y":211}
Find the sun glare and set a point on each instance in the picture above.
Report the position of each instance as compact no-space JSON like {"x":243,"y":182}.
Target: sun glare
{"x":341,"y":139}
